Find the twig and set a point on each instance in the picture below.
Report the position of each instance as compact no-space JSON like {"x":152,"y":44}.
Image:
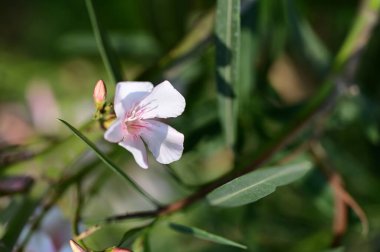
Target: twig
{"x":87,"y":233}
{"x":78,"y":209}
{"x":52,"y":195}
{"x":320,"y":104}
{"x":15,"y":184}
{"x":13,"y":158}
{"x":342,"y":198}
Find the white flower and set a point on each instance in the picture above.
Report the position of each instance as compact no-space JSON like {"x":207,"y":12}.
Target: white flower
{"x":136,"y":105}
{"x":53,"y":234}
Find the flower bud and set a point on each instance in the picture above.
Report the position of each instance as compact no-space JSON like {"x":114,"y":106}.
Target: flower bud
{"x":100,"y":93}
{"x":75,"y":247}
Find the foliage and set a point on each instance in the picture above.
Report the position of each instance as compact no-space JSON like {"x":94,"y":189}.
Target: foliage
{"x":286,"y":84}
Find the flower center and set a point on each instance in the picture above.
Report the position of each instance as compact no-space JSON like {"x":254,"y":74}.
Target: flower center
{"x":132,"y":122}
{"x":133,"y":127}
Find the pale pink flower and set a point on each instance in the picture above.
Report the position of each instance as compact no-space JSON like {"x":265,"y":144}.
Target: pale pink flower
{"x":137,"y":105}
{"x":53,"y":234}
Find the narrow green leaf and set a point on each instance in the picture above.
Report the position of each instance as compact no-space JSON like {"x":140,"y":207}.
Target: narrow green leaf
{"x":305,"y":42}
{"x":108,"y":162}
{"x":130,"y":236}
{"x":357,"y":37}
{"x":109,"y":58}
{"x":23,"y":210}
{"x":204,"y":235}
{"x":256,"y":185}
{"x":227,"y":32}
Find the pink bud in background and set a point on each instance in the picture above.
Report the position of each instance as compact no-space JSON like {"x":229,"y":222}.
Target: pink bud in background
{"x":100,"y":92}
{"x":75,"y":247}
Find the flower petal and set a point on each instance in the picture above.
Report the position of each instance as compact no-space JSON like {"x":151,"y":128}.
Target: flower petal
{"x":163,"y":141}
{"x":164,"y":101}
{"x":114,"y":133}
{"x":135,"y":145}
{"x":128,"y":93}
{"x":57,"y":226}
{"x":39,"y":241}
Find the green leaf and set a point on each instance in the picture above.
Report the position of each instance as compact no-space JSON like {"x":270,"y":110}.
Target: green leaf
{"x":338,"y":249}
{"x":130,"y":236}
{"x":108,"y":162}
{"x":248,"y":56}
{"x":204,"y":235}
{"x":305,"y":42}
{"x":109,"y":59}
{"x":23,"y":210}
{"x":227,"y":32}
{"x":256,"y":185}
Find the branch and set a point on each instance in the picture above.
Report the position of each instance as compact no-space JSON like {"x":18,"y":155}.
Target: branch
{"x":342,"y":198}
{"x":320,"y":104}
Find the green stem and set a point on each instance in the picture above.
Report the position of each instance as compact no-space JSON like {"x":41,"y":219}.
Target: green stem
{"x":109,"y":59}
{"x":111,"y":164}
{"x":305,"y":116}
{"x":358,"y":36}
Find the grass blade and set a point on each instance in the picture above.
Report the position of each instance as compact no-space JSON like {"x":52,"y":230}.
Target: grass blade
{"x":109,"y":58}
{"x":256,"y":185}
{"x":304,"y":41}
{"x":204,"y":235}
{"x":23,"y":209}
{"x":109,"y":163}
{"x":227,"y":32}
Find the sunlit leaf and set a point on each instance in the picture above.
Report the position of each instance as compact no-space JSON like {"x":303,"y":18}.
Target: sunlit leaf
{"x":256,"y":185}
{"x":227,"y":32}
{"x":204,"y":235}
{"x":247,"y":69}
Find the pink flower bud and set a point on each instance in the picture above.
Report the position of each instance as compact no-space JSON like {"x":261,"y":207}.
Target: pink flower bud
{"x":100,"y":92}
{"x":75,"y":247}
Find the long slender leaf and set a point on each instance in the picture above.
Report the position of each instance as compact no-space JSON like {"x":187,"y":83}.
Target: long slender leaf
{"x":23,"y":210}
{"x":247,"y":71}
{"x":130,"y":236}
{"x":204,"y":235}
{"x":256,"y":185}
{"x":109,"y":59}
{"x":304,"y":41}
{"x":227,"y":32}
{"x":108,"y":162}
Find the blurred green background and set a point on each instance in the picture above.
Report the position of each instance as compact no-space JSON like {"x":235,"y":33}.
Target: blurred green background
{"x":49,"y":64}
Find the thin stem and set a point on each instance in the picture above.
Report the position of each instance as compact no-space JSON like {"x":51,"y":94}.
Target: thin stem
{"x":52,"y":195}
{"x":323,"y":99}
{"x":341,"y":197}
{"x":106,"y":160}
{"x":109,"y":59}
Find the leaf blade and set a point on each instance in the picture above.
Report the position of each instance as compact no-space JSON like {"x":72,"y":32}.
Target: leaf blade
{"x":227,"y":32}
{"x":204,"y":235}
{"x":108,"y":162}
{"x":108,"y":57}
{"x":256,"y":185}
